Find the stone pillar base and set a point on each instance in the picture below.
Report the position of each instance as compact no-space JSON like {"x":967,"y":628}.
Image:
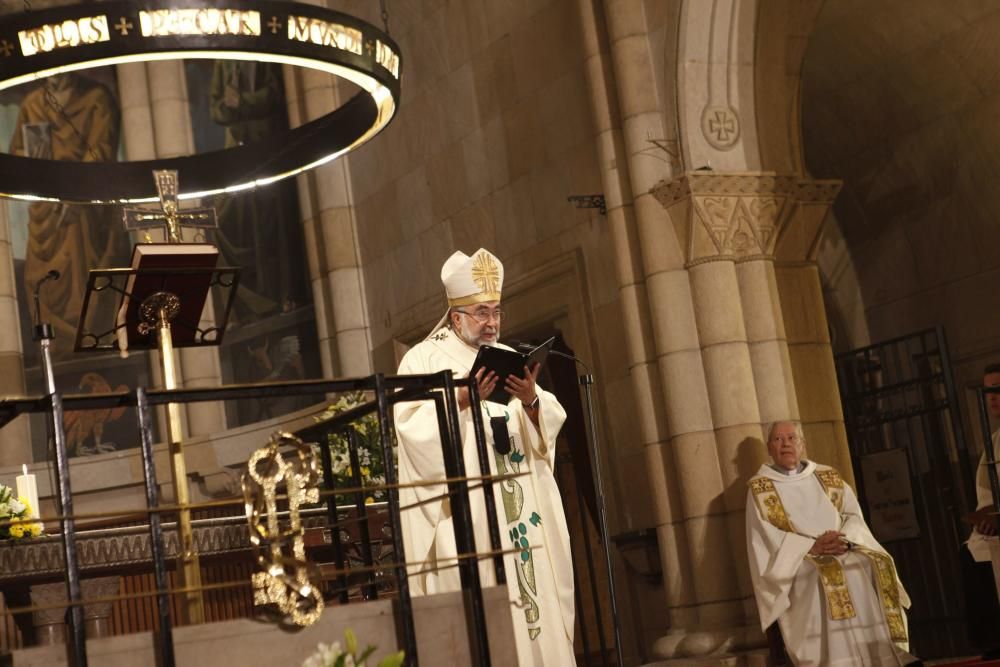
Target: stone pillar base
{"x":756,"y":658}
{"x":708,"y":644}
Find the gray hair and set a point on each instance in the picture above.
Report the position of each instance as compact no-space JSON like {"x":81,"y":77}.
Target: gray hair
{"x":775,"y":424}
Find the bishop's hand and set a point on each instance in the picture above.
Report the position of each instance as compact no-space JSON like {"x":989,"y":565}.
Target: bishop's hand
{"x":524,"y":388}
{"x":485,"y":381}
{"x":830,"y":543}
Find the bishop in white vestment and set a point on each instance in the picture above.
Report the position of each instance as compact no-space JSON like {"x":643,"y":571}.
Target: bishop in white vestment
{"x":529,"y":508}
{"x":816,"y":568}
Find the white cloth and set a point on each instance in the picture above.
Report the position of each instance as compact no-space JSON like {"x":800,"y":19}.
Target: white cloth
{"x":981,"y":546}
{"x":788,"y":588}
{"x":529,"y":509}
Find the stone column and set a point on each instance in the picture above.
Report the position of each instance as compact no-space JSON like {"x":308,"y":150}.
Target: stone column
{"x":643,"y":363}
{"x":330,"y":237}
{"x":697,"y":605}
{"x":720,"y":334}
{"x":805,"y":321}
{"x":15,"y":438}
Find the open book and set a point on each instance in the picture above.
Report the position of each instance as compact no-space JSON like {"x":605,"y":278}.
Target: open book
{"x":165,"y":267}
{"x":508,"y":362}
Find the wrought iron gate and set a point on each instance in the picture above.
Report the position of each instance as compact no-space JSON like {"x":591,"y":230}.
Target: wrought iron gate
{"x":899,"y":402}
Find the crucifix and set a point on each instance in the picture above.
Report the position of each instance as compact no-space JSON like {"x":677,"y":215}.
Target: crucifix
{"x":170,"y":216}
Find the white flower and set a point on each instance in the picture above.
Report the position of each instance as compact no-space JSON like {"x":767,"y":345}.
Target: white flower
{"x":17,"y":507}
{"x":4,"y":509}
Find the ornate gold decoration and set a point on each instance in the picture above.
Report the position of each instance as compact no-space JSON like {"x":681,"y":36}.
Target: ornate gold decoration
{"x":888,"y":593}
{"x":831,"y":575}
{"x":833,"y":484}
{"x":769,"y":503}
{"x":486,"y":275}
{"x":284,"y":578}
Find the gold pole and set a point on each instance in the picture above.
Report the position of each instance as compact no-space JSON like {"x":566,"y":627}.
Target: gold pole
{"x":188,"y":566}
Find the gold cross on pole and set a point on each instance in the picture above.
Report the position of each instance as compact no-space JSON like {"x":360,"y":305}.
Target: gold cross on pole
{"x":170,"y":216}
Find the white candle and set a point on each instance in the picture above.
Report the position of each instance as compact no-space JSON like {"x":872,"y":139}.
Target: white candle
{"x":27,"y":488}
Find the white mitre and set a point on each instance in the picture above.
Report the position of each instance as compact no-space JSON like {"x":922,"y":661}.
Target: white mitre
{"x":470,"y":280}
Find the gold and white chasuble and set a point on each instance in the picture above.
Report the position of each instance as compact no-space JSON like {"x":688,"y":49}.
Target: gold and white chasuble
{"x":529,"y":508}
{"x":832,"y":610}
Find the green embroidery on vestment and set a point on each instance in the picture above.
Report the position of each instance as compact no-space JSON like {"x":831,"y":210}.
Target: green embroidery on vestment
{"x":512,"y":494}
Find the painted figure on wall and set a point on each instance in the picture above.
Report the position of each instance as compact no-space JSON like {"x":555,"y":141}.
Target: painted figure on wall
{"x":248,"y":100}
{"x":68,"y":117}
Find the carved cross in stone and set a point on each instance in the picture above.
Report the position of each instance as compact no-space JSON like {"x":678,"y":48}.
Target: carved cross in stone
{"x":722,"y":126}
{"x":170,"y":216}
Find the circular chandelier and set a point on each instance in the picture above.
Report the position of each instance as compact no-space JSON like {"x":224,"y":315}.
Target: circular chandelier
{"x":41,"y":43}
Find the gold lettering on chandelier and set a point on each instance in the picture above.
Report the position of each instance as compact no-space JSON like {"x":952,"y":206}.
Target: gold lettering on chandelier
{"x":69,"y":33}
{"x":323,"y":33}
{"x":387,"y":58}
{"x":204,"y":21}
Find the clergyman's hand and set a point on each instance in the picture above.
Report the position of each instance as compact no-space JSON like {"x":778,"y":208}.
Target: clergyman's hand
{"x":830,"y":543}
{"x":986,"y":528}
{"x":524,"y":388}
{"x":486,"y":382}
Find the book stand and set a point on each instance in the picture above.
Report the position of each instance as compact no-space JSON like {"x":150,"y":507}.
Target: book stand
{"x":158,"y":303}
{"x":161,"y":321}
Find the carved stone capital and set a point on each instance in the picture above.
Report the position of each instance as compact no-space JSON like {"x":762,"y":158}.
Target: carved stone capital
{"x":747,"y":215}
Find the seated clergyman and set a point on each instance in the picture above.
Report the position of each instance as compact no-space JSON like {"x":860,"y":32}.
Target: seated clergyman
{"x":816,"y":568}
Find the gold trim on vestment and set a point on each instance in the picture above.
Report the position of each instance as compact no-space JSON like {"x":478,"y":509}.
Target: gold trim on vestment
{"x":829,"y":568}
{"x":472,"y":299}
{"x":888,"y":592}
{"x":834,"y":580}
{"x":833,"y":484}
{"x":769,"y":503}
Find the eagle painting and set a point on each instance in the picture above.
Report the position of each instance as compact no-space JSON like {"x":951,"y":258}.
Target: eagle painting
{"x":88,"y":425}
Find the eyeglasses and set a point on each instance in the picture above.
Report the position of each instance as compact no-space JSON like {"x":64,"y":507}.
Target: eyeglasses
{"x":482,"y":315}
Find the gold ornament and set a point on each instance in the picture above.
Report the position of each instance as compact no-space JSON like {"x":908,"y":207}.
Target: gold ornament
{"x":285,"y":578}
{"x":486,"y":274}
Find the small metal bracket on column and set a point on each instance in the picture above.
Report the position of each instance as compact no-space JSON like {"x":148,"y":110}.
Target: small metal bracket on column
{"x":589,"y":201}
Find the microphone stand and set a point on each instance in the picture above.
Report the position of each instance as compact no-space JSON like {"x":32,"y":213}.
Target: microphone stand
{"x":44,"y":334}
{"x":587,"y":382}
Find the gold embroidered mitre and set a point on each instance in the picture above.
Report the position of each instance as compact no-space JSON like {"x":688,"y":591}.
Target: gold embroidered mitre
{"x":470,"y":280}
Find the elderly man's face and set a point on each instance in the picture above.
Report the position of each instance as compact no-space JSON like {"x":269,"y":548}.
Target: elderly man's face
{"x":479,"y":324}
{"x":992,"y":400}
{"x":785,"y":446}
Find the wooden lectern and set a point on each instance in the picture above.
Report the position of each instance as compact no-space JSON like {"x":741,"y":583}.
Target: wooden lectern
{"x":158,"y":304}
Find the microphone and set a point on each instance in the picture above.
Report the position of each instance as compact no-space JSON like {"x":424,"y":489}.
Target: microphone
{"x":521,"y":346}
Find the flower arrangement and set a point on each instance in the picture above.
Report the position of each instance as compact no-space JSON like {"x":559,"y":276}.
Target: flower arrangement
{"x":12,"y":508}
{"x":331,"y":655}
{"x":370,"y":459}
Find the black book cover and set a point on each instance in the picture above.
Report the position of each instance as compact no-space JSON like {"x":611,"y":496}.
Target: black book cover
{"x":508,"y":362}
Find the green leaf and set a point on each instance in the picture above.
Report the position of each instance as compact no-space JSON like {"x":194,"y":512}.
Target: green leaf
{"x":351,"y":641}
{"x":394,"y":660}
{"x":341,"y":660}
{"x":364,"y":656}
